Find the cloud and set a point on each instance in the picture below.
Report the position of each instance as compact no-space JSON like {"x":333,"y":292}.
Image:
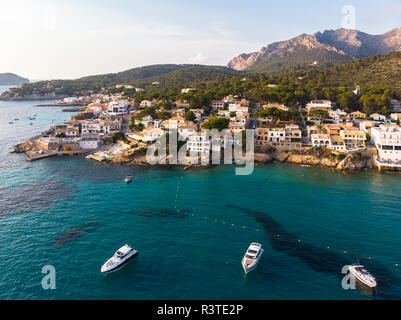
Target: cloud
{"x":221,"y":29}
{"x":198,"y":59}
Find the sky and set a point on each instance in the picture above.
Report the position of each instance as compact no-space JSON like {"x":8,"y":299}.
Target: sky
{"x":68,"y":39}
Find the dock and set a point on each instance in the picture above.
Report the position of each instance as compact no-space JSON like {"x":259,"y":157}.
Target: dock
{"x":38,"y":156}
{"x":59,"y":105}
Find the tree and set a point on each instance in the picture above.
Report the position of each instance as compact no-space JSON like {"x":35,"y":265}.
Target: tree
{"x":319,"y":113}
{"x":218,"y":123}
{"x":190,"y":116}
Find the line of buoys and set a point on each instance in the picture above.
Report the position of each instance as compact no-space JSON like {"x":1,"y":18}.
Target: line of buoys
{"x":205,"y":218}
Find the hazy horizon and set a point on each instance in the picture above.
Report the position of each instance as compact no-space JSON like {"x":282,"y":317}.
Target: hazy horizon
{"x":68,"y":40}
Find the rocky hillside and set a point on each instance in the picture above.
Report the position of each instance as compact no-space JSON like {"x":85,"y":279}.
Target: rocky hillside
{"x":11,"y":79}
{"x":322,"y":49}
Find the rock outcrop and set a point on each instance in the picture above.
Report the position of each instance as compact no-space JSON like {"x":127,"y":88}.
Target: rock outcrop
{"x":24,"y":147}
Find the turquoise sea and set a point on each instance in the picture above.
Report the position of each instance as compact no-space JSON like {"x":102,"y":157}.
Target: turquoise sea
{"x":191,"y":228}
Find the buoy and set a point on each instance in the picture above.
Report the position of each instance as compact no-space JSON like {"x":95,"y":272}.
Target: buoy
{"x":233,"y":225}
{"x":345,"y":252}
{"x":328,"y":247}
{"x":397,"y":265}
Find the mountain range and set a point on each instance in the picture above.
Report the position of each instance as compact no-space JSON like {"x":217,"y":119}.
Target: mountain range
{"x":11,"y":79}
{"x":322,"y":49}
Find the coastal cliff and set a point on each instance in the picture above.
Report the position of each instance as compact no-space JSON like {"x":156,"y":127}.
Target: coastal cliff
{"x":263,"y":155}
{"x":323,"y":158}
{"x":11,"y":95}
{"x":24,"y":147}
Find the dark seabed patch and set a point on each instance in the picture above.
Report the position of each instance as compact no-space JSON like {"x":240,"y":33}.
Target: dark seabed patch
{"x":33,"y":196}
{"x":74,"y":234}
{"x":319,"y":259}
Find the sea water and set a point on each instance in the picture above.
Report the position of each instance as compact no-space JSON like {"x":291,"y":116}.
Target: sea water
{"x":191,"y":228}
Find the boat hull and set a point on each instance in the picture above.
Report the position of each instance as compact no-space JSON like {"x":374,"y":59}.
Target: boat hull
{"x":121,"y":264}
{"x":362,"y":281}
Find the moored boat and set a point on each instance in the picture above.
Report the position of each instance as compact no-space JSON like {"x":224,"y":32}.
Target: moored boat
{"x":119,"y":259}
{"x":360,"y":273}
{"x":128,"y":179}
{"x":252,"y":257}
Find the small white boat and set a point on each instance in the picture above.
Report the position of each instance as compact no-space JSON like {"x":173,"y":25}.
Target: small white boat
{"x":120,"y":259}
{"x":363,"y":275}
{"x":128,"y":179}
{"x":252,"y":257}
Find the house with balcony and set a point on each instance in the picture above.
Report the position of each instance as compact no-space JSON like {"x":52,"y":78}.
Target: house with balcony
{"x":387,"y":139}
{"x":354,"y":139}
{"x":320,"y":140}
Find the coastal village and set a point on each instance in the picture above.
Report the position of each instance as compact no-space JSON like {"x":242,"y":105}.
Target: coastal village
{"x":108,"y":126}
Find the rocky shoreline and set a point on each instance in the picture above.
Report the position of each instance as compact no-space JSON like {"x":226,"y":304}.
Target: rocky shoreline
{"x":312,"y":157}
{"x":309,"y":156}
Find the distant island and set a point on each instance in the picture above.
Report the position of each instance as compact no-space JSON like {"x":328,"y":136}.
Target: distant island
{"x":11,"y":79}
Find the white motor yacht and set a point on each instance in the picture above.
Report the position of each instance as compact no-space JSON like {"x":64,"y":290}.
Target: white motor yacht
{"x":252,"y":257}
{"x":363,"y":275}
{"x":120,"y":258}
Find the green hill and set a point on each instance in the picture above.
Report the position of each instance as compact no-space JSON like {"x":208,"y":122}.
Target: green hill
{"x":11,"y":79}
{"x":383,"y":71}
{"x":139,"y":77}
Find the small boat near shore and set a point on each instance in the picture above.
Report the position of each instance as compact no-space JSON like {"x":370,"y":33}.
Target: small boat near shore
{"x":252,"y":257}
{"x":119,"y":259}
{"x":128,"y":179}
{"x":360,"y":273}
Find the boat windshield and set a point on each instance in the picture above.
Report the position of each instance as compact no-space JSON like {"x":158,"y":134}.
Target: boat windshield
{"x":363,"y":271}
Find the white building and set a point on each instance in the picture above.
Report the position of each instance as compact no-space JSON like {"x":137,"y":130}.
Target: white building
{"x":218,"y":104}
{"x":238,"y":108}
{"x":147,"y":104}
{"x":378,"y":117}
{"x":148,"y":135}
{"x":89,"y":142}
{"x":117,"y":108}
{"x":276,"y":135}
{"x":71,"y":100}
{"x":186,"y":130}
{"x":319,"y":104}
{"x":199,"y":144}
{"x":91,"y":127}
{"x":387,"y":139}
{"x":320,"y":140}
{"x":187,"y":90}
{"x":395,"y":105}
{"x":173,"y":123}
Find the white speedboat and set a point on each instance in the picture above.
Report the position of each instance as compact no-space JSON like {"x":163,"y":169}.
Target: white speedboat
{"x":363,"y":275}
{"x":252,"y":257}
{"x":128,"y":179}
{"x":120,"y":258}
